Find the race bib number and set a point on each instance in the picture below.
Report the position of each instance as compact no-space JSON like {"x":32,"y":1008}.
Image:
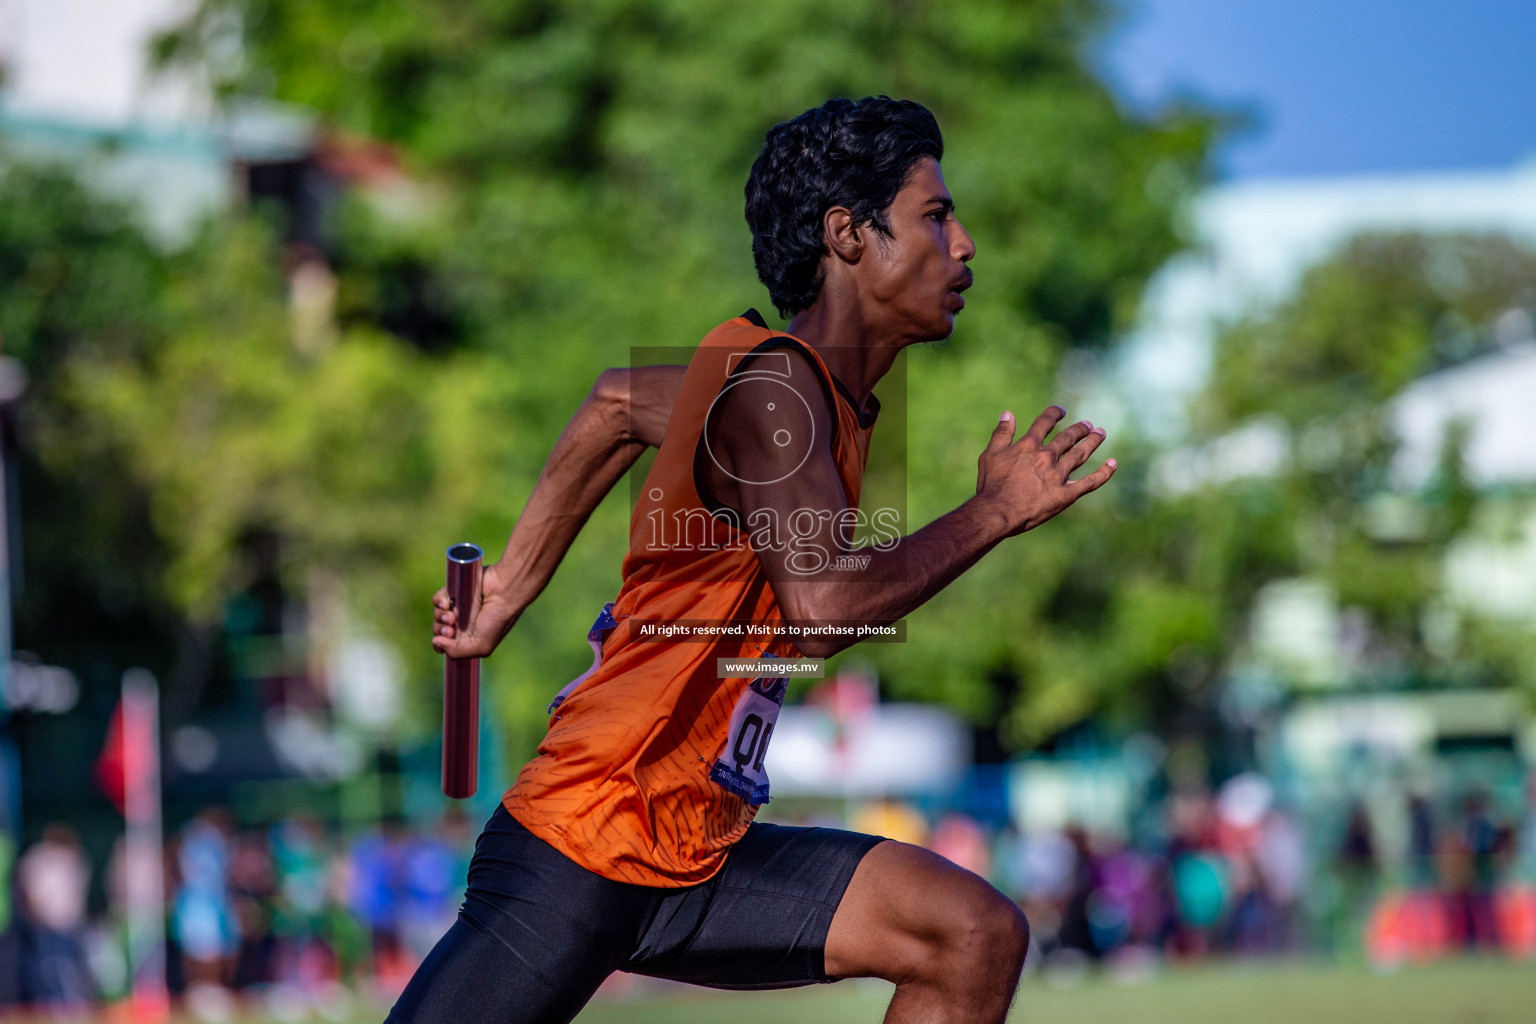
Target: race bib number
{"x":739,"y":768}
{"x":595,"y":636}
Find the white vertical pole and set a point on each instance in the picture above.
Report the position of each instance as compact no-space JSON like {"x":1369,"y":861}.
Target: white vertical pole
{"x":13,"y":380}
{"x":145,"y":855}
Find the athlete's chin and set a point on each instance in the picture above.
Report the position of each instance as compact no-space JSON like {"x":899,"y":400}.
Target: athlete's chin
{"x":944,"y":326}
{"x":933,"y":325}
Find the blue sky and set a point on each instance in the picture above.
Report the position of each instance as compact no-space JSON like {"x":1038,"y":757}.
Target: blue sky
{"x":1343,"y":86}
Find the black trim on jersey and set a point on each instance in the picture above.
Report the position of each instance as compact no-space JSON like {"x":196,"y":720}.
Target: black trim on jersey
{"x":865,"y":417}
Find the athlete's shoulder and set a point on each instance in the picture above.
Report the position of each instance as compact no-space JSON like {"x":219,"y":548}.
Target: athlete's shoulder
{"x":745,"y":347}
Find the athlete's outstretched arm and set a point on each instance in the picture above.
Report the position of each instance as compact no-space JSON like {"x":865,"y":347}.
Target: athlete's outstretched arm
{"x":626,"y":412}
{"x":1020,"y":485}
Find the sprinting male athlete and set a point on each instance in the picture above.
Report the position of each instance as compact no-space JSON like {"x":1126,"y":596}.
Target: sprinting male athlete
{"x":627,"y":843}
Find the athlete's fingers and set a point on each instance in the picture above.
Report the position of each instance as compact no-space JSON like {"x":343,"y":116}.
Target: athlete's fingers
{"x":1002,"y":434}
{"x":467,"y":646}
{"x":1093,"y":481}
{"x":1068,"y":437}
{"x":1078,"y":453}
{"x":1043,"y":424}
{"x":441,"y":599}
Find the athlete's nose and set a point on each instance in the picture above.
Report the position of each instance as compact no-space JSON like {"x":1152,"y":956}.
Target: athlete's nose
{"x":963,"y":248}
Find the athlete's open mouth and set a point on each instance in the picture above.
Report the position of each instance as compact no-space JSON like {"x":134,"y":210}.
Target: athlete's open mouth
{"x":960,"y":284}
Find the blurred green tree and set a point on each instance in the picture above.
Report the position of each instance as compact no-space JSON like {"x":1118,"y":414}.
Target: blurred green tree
{"x":78,"y":282}
{"x":575,"y":177}
{"x":170,"y":421}
{"x":576,"y":188}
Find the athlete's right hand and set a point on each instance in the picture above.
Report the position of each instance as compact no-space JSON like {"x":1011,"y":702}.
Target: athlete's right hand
{"x":1028,"y":481}
{"x":489,"y":621}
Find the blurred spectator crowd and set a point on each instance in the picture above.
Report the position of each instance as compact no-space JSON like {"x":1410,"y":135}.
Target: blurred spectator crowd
{"x":298,"y":921}
{"x":1234,"y":874}
{"x":292,"y":919}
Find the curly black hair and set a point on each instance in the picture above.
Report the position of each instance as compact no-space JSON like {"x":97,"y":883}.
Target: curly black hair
{"x":842,"y":153}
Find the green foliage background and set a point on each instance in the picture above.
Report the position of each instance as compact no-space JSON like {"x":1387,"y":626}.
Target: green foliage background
{"x":578,"y":173}
{"x":573,"y":194}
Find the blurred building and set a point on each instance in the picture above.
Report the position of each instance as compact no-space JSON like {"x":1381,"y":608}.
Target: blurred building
{"x":78,"y":86}
{"x":1254,"y":240}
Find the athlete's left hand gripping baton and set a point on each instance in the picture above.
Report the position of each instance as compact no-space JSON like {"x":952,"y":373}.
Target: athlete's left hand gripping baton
{"x":461,"y":679}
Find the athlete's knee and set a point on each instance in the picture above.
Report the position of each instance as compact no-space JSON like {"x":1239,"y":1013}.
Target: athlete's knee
{"x":1004,"y":934}
{"x":984,"y":933}
{"x":1013,"y":935}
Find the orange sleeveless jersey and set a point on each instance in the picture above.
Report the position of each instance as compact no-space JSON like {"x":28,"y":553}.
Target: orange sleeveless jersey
{"x":652,"y":766}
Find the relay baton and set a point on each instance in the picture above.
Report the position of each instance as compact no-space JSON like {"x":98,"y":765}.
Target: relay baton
{"x":461,"y":680}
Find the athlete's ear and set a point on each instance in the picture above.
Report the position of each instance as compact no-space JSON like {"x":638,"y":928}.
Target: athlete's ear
{"x":844,"y":238}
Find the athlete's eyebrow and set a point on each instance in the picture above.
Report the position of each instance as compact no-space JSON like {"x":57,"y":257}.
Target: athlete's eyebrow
{"x":944,"y":202}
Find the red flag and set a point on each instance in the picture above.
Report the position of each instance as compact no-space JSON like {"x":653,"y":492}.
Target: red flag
{"x":110,"y":765}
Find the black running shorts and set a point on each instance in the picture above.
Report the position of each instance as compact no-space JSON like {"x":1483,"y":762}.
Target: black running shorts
{"x":538,"y":933}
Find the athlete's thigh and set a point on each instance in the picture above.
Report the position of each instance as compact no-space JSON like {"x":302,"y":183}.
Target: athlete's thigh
{"x":535,"y":937}
{"x":902,"y":905}
{"x":472,"y":977}
{"x":762,"y":921}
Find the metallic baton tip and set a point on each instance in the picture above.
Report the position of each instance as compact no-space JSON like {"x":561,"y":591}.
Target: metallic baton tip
{"x":465,"y":553}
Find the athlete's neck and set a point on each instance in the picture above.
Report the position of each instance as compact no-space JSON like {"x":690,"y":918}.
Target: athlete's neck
{"x":855,"y":354}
